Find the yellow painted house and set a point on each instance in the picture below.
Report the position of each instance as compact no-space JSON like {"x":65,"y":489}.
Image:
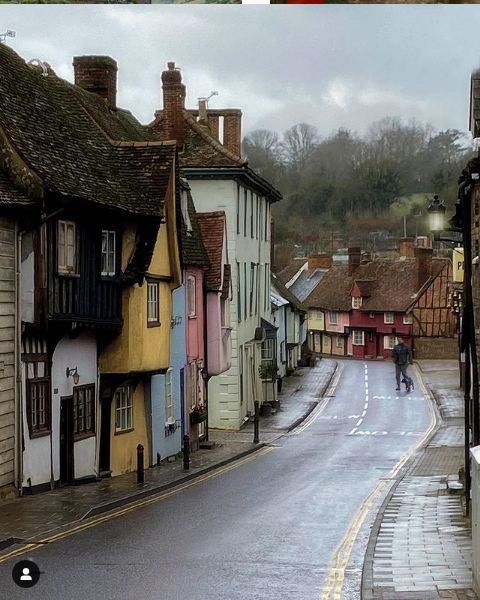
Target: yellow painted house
{"x":316,"y":325}
{"x":150,"y":263}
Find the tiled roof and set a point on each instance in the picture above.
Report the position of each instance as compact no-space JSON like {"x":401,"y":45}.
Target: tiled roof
{"x":365,"y":287}
{"x":212,"y":227}
{"x":201,"y":149}
{"x":286,"y":293}
{"x":66,"y":136}
{"x":194,"y":253}
{"x":332,"y":291}
{"x":392,"y":285}
{"x":290,"y":270}
{"x":11,"y":196}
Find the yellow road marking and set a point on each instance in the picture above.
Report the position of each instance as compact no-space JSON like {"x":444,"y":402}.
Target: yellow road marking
{"x":94,"y":521}
{"x":336,"y":577}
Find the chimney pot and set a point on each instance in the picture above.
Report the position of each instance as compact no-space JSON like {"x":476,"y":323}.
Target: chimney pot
{"x":97,"y":74}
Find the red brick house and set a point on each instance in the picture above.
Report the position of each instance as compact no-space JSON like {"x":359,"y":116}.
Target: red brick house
{"x":385,"y":299}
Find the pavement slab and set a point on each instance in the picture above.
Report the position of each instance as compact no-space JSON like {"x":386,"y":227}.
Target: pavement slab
{"x":421,"y":546}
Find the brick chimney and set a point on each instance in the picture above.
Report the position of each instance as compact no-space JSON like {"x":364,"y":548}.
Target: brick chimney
{"x":232,"y":130}
{"x":173,"y":123}
{"x":213,"y":123}
{"x":97,"y":74}
{"x":354,"y":257}
{"x":319,"y":261}
{"x":423,"y":257}
{"x":407,"y":248}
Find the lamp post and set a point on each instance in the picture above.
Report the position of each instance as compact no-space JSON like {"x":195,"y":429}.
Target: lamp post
{"x":206,"y":378}
{"x":461,"y":222}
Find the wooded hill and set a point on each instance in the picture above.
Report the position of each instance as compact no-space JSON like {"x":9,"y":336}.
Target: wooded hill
{"x":350,"y":185}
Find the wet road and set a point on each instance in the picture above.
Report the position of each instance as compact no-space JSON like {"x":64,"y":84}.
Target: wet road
{"x":266,"y":529}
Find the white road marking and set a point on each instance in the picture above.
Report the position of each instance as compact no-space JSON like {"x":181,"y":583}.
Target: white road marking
{"x":364,"y":413}
{"x":359,"y":422}
{"x":365,"y":406}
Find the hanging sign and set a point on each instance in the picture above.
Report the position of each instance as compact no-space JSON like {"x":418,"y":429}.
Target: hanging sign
{"x":458,"y":266}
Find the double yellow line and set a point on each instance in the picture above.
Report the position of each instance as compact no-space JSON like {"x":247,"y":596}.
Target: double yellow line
{"x":341,"y":558}
{"x":94,"y":521}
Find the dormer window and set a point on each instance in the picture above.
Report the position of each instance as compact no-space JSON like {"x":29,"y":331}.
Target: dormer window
{"x":108,"y":253}
{"x":356,"y":301}
{"x":67,"y":247}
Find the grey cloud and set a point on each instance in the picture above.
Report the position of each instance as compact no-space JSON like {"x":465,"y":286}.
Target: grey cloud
{"x":281,"y":65}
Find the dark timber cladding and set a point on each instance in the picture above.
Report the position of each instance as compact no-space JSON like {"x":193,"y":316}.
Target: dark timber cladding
{"x":85,"y":295}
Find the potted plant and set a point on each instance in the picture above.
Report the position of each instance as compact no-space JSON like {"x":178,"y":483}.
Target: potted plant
{"x":198,"y":415}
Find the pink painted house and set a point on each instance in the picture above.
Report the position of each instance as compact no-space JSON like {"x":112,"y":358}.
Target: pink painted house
{"x":218,"y":293}
{"x":195,"y":265}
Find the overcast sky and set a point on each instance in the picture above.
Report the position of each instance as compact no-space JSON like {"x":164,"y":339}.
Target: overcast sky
{"x":330,"y":66}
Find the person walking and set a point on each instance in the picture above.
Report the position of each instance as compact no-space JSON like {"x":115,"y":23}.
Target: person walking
{"x":402,"y":357}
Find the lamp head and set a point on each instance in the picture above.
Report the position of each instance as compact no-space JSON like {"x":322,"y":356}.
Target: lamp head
{"x":436,"y":215}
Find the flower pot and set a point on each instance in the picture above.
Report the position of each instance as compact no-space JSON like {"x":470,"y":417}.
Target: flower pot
{"x":198,"y":416}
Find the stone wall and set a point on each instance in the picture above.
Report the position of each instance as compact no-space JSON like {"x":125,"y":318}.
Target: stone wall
{"x":438,"y":348}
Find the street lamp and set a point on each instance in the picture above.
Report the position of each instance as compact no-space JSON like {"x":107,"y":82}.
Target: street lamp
{"x":436,"y":220}
{"x":436,"y":215}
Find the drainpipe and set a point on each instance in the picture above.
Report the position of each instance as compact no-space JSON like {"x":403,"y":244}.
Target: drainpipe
{"x":205,"y":375}
{"x":18,"y":413}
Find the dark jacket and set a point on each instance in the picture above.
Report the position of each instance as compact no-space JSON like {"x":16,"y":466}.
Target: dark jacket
{"x":402,"y":355}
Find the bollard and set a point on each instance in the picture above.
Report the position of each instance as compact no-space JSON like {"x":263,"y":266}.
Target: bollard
{"x":186,"y":453}
{"x":256,"y":423}
{"x":140,"y":469}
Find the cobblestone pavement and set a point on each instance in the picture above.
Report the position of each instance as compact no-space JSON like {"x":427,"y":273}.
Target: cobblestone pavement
{"x":422,"y":545}
{"x":32,"y":516}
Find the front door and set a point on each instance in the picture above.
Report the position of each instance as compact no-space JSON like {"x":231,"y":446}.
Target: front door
{"x":104,"y":458}
{"x":66,"y":441}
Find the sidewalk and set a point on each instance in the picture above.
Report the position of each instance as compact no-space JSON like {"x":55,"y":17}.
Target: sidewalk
{"x":30,"y":517}
{"x":420,"y":545}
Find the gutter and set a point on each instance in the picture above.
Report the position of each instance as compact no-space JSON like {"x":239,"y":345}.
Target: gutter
{"x":245,"y":174}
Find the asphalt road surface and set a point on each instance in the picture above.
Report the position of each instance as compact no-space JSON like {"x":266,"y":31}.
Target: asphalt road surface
{"x":265,"y":529}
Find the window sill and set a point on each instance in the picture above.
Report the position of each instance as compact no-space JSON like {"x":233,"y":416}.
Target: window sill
{"x":39,"y":434}
{"x":68,"y":275}
{"x":83,"y":436}
{"x":153,"y":324}
{"x":192,"y":316}
{"x":122,"y":431}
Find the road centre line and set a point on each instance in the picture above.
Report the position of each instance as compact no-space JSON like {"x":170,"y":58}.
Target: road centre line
{"x":88,"y":524}
{"x":333,"y":588}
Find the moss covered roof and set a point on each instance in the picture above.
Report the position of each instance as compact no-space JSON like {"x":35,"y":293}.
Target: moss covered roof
{"x":77,"y":145}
